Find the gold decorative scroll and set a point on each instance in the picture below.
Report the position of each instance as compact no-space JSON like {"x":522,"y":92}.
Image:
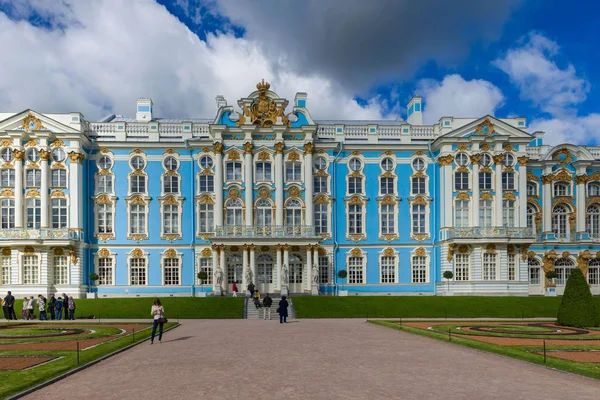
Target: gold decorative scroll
{"x":263,"y":111}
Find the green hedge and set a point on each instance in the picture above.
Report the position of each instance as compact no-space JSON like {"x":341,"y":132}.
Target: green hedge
{"x":577,"y":307}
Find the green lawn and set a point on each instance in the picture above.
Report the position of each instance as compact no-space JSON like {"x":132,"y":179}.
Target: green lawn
{"x":13,"y":382}
{"x":175,"y":307}
{"x":426,"y":307}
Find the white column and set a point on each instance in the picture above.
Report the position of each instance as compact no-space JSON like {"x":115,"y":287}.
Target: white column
{"x":245,"y":266}
{"x":475,"y":198}
{"x":547,"y":205}
{"x":580,"y":200}
{"x":248,"y":182}
{"x":218,"y":147}
{"x":448,"y":206}
{"x":279,"y":183}
{"x":498,"y":188}
{"x":315,"y":262}
{"x":308,"y":184}
{"x":253,"y":263}
{"x":215,"y":264}
{"x":279,"y":266}
{"x":44,"y":189}
{"x":74,"y":189}
{"x":308,"y":267}
{"x":18,"y":155}
{"x":223,"y":267}
{"x":522,"y":192}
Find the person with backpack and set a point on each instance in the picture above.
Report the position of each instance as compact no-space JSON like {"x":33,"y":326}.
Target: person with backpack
{"x":58,"y":306}
{"x":51,"y":307}
{"x":72,"y":306}
{"x":42,"y":307}
{"x":267,"y":302}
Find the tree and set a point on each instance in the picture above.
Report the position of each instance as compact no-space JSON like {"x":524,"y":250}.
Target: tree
{"x":577,"y":307}
{"x":551,"y":275}
{"x":202,"y":277}
{"x":342,"y":274}
{"x":94,"y":277}
{"x":448,"y":275}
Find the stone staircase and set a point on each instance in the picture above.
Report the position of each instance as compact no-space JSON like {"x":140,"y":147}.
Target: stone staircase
{"x":251,"y":312}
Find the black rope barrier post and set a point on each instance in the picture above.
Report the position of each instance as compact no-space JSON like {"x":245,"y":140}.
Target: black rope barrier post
{"x":77,"y":352}
{"x":544,"y":352}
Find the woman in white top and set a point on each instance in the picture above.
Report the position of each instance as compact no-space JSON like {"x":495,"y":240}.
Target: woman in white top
{"x":158,"y":313}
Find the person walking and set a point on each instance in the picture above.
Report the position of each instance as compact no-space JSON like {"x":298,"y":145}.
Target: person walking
{"x":267,"y":302}
{"x":257,"y":299}
{"x":51,"y":307}
{"x":283,"y":310}
{"x":234,"y":289}
{"x":9,"y":303}
{"x":71,"y":308}
{"x":158,"y":314}
{"x":251,"y":288}
{"x":42,"y":307}
{"x":58,"y":306}
{"x":24,"y":308}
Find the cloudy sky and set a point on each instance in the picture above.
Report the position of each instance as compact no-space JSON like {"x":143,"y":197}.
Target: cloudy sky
{"x":355,"y":59}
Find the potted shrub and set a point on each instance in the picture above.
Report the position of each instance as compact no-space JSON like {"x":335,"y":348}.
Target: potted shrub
{"x":448,"y":275}
{"x":551,"y":286}
{"x":93,"y":278}
{"x":202,"y":277}
{"x":342,"y":274}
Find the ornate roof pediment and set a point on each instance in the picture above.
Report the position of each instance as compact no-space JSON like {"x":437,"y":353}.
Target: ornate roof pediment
{"x":487,"y":126}
{"x":30,"y":121}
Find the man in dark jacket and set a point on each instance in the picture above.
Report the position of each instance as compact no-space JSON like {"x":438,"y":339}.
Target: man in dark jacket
{"x":9,"y":303}
{"x":283,"y":310}
{"x":267,"y":302}
{"x":51,"y":307}
{"x":65,"y":301}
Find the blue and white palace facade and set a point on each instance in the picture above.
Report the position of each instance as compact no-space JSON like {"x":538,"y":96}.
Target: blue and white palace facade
{"x":257,"y":193}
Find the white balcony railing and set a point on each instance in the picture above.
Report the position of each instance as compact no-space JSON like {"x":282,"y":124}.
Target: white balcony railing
{"x":492,"y":232}
{"x":273,"y":231}
{"x":40,"y":234}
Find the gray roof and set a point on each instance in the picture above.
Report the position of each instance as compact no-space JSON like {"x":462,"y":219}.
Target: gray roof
{"x":120,"y":118}
{"x":360,"y":122}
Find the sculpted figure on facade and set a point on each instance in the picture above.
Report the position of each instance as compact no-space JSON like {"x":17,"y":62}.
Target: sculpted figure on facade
{"x":315,"y":274}
{"x":248,"y":276}
{"x":219,"y":278}
{"x":284,"y":274}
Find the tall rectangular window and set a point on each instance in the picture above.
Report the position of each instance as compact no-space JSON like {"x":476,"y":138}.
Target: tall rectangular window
{"x":512,"y":267}
{"x":263,"y":171}
{"x":419,"y":269}
{"x":233,"y":171}
{"x":462,"y":213}
{"x":485,"y":181}
{"x":489,"y":266}
{"x":461,"y":180}
{"x":387,"y":219}
{"x":59,"y":178}
{"x":137,"y":184}
{"x":59,"y":213}
{"x":485,"y":213}
{"x":61,"y":270}
{"x":321,"y":216}
{"x":293,"y":171}
{"x":31,"y":271}
{"x":105,"y":184}
{"x":418,"y":185}
{"x":320,"y":184}
{"x":105,"y":271}
{"x":206,"y":218}
{"x":355,"y":185}
{"x":171,"y":183}
{"x":33,"y":178}
{"x":205,"y":265}
{"x":138,"y":271}
{"x":418,"y":219}
{"x":386,"y":185}
{"x":171,"y":271}
{"x":355,"y":270}
{"x":461,"y":266}
{"x":6,"y":270}
{"x":171,"y":219}
{"x":7,"y":209}
{"x":355,"y":219}
{"x":508,"y":181}
{"x":34,"y":213}
{"x":137,"y":224}
{"x":105,"y":218}
{"x":7,"y":178}
{"x":207,"y":183}
{"x":388,"y":269}
{"x":323,"y":270}
{"x":508,"y":213}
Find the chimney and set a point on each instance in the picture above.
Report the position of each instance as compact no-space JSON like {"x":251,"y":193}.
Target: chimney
{"x":144,"y":110}
{"x":414,"y":111}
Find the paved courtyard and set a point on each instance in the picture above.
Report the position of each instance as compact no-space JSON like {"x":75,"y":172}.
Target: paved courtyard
{"x":311,"y":359}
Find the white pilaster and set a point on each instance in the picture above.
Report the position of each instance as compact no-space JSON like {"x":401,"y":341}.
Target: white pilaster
{"x":248,"y":182}
{"x":308,"y":184}
{"x":286,"y":260}
{"x":253,"y":263}
{"x":522,"y":195}
{"x":245,"y":282}
{"x":308,"y":267}
{"x":218,"y":183}
{"x":475,"y":198}
{"x":75,"y":190}
{"x":547,"y":206}
{"x":279,"y":266}
{"x":44,"y":189}
{"x":498,"y":196}
{"x":223,"y":267}
{"x":447,"y":182}
{"x":315,"y":262}
{"x":18,"y":155}
{"x":279,"y":183}
{"x":215,"y":265}
{"x":580,"y":201}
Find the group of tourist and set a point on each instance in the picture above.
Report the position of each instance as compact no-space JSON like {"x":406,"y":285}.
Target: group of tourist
{"x":253,"y":293}
{"x":58,"y":308}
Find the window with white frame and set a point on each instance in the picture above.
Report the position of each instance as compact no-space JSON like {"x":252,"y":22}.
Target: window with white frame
{"x":7,"y":210}
{"x":562,"y":189}
{"x":508,"y":213}
{"x":419,"y":269}
{"x":137,"y":271}
{"x":235,"y":268}
{"x":6,"y":270}
{"x":419,"y":219}
{"x":462,"y":211}
{"x":508,"y":181}
{"x":388,"y":269}
{"x":531,"y":189}
{"x":512,"y":266}
{"x":461,"y":266}
{"x":137,"y":184}
{"x":594,"y":271}
{"x":293,"y":171}
{"x":355,"y":164}
{"x":58,"y":155}
{"x":59,"y":178}
{"x":205,"y":265}
{"x":137,"y":163}
{"x":418,"y":185}
{"x":387,"y":217}
{"x":387,"y":164}
{"x":105,"y":218}
{"x":105,"y":162}
{"x":105,"y":271}
{"x":233,"y":171}
{"x":489,"y":266}
{"x":171,"y":271}
{"x":355,"y":270}
{"x":355,"y":219}
{"x":105,"y":184}
{"x":323,"y":270}
{"x":31,"y":270}
{"x":461,"y":159}
{"x":486,"y":160}
{"x":59,"y":213}
{"x":263,"y":171}
{"x":485,"y":213}
{"x":593,"y":189}
{"x":418,"y":164}
{"x":355,"y":184}
{"x":295,"y":268}
{"x":206,"y":218}
{"x":170,"y":183}
{"x":320,"y":184}
{"x":531,"y":212}
{"x":6,"y":154}
{"x":461,"y":180}
{"x":386,"y":185}
{"x":34,"y":213}
{"x":509,"y":160}
{"x":7,"y":178}
{"x":534,"y":271}
{"x":205,"y":162}
{"x":321,"y":218}
{"x":61,"y":270}
{"x":207,"y":183}
{"x":293,"y":213}
{"x":560,"y":221}
{"x":264,"y":213}
{"x":320,"y":163}
{"x":33,"y":155}
{"x":170,"y":163}
{"x":592,"y":221}
{"x":171,"y":219}
{"x":233,"y":212}
{"x":264,"y":268}
{"x":137,"y":219}
{"x":485,"y":181}
{"x":563,"y":267}
{"x":33,"y":178}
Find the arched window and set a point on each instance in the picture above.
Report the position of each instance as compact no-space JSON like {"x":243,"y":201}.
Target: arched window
{"x":531,"y":189}
{"x":593,"y":221}
{"x":295,"y":268}
{"x":293,"y":213}
{"x":235,"y":268}
{"x":264,"y":269}
{"x":593,"y":189}
{"x":563,"y":267}
{"x":562,"y":189}
{"x":264,"y":212}
{"x":560,"y":220}
{"x":534,"y":270}
{"x":531,"y":211}
{"x":594,"y":271}
{"x":233,"y":212}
